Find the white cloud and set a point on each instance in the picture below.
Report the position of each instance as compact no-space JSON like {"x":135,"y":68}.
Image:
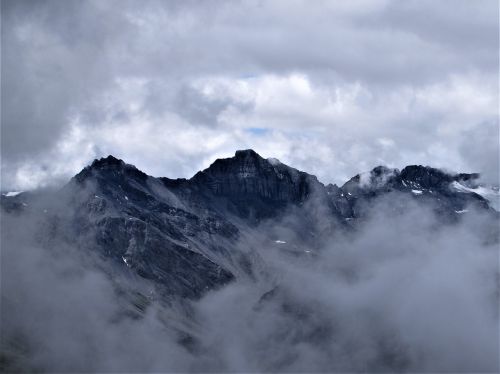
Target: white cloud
{"x":330,"y":89}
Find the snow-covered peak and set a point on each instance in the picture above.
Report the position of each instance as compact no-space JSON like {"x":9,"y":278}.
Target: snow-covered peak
{"x":12,"y":193}
{"x":490,"y":193}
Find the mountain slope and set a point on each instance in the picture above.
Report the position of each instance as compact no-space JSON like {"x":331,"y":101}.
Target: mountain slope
{"x":250,"y":265}
{"x":188,"y":236}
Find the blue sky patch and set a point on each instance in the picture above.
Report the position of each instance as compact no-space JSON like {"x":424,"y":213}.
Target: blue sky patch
{"x":257,"y":130}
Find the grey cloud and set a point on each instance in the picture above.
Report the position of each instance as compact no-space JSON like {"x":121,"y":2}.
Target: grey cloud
{"x":452,"y":24}
{"x":188,"y":102}
{"x":480,"y":147}
{"x":52,"y":64}
{"x":403,"y":294}
{"x":63,"y":309}
{"x":62,"y":61}
{"x":381,"y":301}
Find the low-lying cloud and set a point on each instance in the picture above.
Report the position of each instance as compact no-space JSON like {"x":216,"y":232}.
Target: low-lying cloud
{"x":401,"y":293}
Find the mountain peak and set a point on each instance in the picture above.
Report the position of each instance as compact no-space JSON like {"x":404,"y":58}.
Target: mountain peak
{"x":429,"y":177}
{"x":376,"y":178}
{"x":107,"y":161}
{"x":415,"y":178}
{"x":253,"y":184}
{"x":418,"y":172}
{"x":243,"y":165}
{"x":245,"y":153}
{"x":106,"y":166}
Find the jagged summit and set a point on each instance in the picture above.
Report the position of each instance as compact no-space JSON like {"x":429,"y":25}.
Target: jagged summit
{"x":429,"y":177}
{"x":181,"y":234}
{"x":242,"y":159}
{"x":247,"y":174}
{"x":107,"y":161}
{"x":246,"y":164}
{"x":252,"y":186}
{"x":376,"y":178}
{"x":246,"y":153}
{"x":425,"y":177}
{"x":107,"y":166}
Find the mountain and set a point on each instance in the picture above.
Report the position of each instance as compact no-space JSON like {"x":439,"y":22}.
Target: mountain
{"x":251,"y":265}
{"x":186,"y":235}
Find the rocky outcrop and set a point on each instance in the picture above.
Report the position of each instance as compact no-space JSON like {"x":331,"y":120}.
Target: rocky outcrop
{"x":428,"y":185}
{"x":249,"y":175}
{"x":253,"y":187}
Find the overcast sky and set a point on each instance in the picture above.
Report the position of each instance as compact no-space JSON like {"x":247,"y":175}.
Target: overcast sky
{"x":330,"y":87}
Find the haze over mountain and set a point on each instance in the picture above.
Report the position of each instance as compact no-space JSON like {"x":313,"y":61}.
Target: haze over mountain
{"x":356,"y":229}
{"x":251,"y":265}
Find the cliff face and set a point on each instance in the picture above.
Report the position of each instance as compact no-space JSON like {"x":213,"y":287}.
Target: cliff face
{"x":255,"y":186}
{"x":249,"y":175}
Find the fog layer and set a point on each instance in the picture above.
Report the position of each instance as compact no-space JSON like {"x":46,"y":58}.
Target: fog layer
{"x":400,"y":293}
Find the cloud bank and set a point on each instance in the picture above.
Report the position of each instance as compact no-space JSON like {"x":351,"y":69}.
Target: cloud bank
{"x":331,"y":88}
{"x":404,"y":293}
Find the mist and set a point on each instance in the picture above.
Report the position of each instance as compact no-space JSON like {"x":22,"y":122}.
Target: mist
{"x":64,"y":310}
{"x":400,"y":292}
{"x":402,"y":295}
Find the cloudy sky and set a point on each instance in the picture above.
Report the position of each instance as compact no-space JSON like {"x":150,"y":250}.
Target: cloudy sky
{"x":329,"y":87}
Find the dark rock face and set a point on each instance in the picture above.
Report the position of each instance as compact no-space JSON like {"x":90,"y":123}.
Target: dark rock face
{"x":252,"y":186}
{"x":249,"y":175}
{"x":380,"y":177}
{"x":137,"y":222}
{"x":417,"y":176}
{"x":183,"y":234}
{"x":426,"y":177}
{"x":425,"y":184}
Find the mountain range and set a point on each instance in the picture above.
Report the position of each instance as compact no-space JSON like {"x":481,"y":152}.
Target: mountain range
{"x":251,"y":265}
{"x":186,"y":235}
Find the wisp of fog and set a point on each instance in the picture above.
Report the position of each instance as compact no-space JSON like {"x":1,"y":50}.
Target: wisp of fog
{"x":402,"y":292}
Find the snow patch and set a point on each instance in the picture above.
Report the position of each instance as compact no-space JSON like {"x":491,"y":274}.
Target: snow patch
{"x":280,"y":241}
{"x":491,"y":194}
{"x":13,"y":193}
{"x":126,"y":198}
{"x":460,"y":187}
{"x":125,"y":260}
{"x":417,"y":192}
{"x":461,"y":211}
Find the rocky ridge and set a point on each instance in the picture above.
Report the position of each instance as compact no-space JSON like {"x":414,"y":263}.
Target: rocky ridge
{"x":186,"y":235}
